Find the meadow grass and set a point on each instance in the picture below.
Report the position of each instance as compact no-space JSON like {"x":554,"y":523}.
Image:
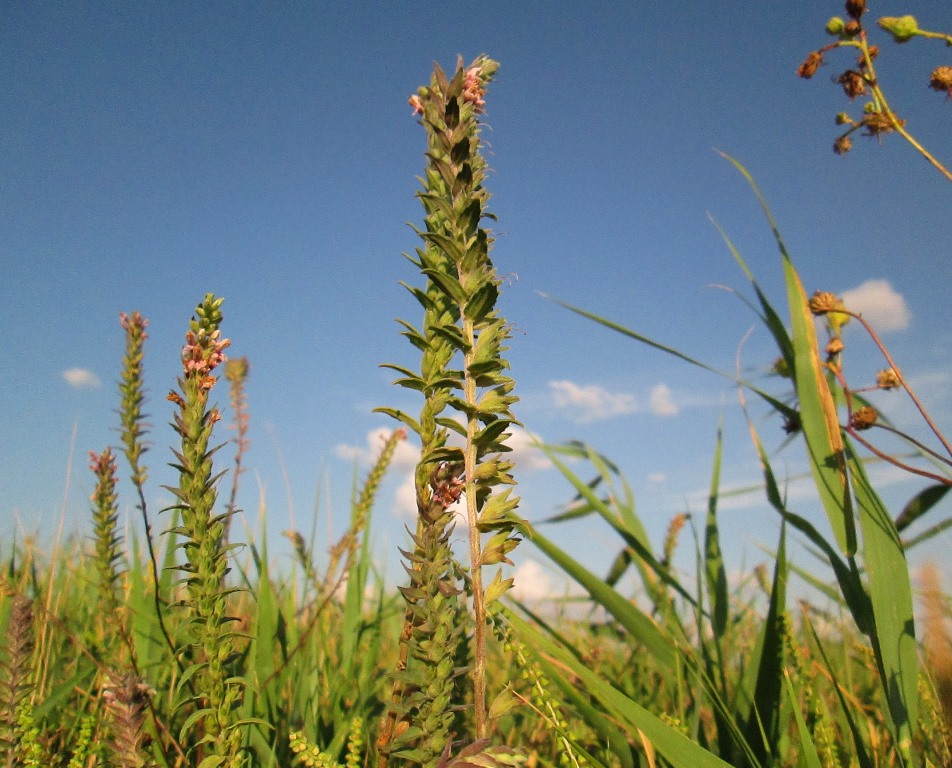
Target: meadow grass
{"x":174,"y":650}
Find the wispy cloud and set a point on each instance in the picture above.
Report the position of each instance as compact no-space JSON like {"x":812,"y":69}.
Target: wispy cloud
{"x":524,"y":453}
{"x":80,"y":378}
{"x":661,"y":401}
{"x":590,"y":402}
{"x":585,"y":403}
{"x":880,"y":305}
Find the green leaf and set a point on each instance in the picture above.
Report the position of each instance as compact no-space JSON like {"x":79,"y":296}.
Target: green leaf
{"x":809,"y":757}
{"x":453,"y":335}
{"x":716,"y":580}
{"x":919,"y":504}
{"x":640,"y":626}
{"x":482,"y":302}
{"x":818,"y":416}
{"x":891,"y":595}
{"x":401,"y":417}
{"x":674,"y":746}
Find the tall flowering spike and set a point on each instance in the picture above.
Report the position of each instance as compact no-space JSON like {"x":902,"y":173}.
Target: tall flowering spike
{"x":236,"y":371}
{"x":203,"y":536}
{"x":462,"y":369}
{"x":105,"y":506}
{"x":131,"y":392}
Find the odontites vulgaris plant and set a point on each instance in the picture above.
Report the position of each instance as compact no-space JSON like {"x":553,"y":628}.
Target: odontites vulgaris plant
{"x":466,"y":391}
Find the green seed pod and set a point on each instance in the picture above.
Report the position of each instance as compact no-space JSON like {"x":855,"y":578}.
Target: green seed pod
{"x":835,"y":26}
{"x":902,"y":28}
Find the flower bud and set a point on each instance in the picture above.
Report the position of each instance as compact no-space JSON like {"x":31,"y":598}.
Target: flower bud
{"x":834,"y":347}
{"x":843,"y":119}
{"x":835,"y":26}
{"x":902,"y":28}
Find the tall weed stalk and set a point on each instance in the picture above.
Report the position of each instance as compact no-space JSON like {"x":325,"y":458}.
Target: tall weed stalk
{"x":466,"y":394}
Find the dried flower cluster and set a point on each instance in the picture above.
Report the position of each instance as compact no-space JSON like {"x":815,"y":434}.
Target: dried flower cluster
{"x":860,"y":80}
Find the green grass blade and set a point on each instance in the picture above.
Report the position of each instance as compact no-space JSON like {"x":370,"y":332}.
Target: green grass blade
{"x":770,"y":317}
{"x":891,"y":596}
{"x":716,"y":576}
{"x":919,"y":504}
{"x":818,"y":418}
{"x":763,"y":722}
{"x":809,"y":758}
{"x":673,"y":745}
{"x":862,"y":756}
{"x":774,"y":403}
{"x":627,"y":526}
{"x":641,"y":627}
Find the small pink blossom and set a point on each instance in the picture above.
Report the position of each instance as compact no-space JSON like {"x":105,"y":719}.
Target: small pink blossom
{"x":202,"y":354}
{"x":417,"y":103}
{"x":473,"y":88}
{"x":136,"y":321}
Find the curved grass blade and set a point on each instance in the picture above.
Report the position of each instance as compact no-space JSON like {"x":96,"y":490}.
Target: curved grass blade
{"x":629,"y":528}
{"x":670,"y":743}
{"x":630,"y":617}
{"x":890,"y":592}
{"x":809,"y":758}
{"x":818,"y":418}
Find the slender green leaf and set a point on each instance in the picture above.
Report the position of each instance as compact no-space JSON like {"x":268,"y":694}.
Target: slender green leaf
{"x":642,"y":628}
{"x":891,"y":595}
{"x":673,"y":745}
{"x":818,"y":417}
{"x":809,"y":758}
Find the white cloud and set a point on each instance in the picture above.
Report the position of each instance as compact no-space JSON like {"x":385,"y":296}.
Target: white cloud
{"x":404,"y":500}
{"x":657,"y":478}
{"x":880,"y":305}
{"x":531,"y":582}
{"x":524,"y":452}
{"x":661,"y":401}
{"x":404,"y":456}
{"x":591,"y":402}
{"x":80,"y":378}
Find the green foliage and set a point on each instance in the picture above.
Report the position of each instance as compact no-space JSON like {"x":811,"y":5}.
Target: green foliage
{"x":262,"y":666}
{"x":461,"y":327}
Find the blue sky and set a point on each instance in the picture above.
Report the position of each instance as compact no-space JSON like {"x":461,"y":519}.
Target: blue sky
{"x":155,"y":152}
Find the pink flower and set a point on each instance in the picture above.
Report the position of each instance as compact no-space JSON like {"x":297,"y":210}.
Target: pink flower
{"x":416,"y":103}
{"x":202,"y":353}
{"x":473,"y":88}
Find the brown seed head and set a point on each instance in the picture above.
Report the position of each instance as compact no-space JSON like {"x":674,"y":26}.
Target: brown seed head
{"x":864,"y":418}
{"x":823,"y":302}
{"x":852,"y":28}
{"x":853,"y":83}
{"x":941,"y":80}
{"x":855,"y":8}
{"x":834,"y":347}
{"x":842,"y":145}
{"x":888,"y":378}
{"x":877,"y":123}
{"x":809,"y":67}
